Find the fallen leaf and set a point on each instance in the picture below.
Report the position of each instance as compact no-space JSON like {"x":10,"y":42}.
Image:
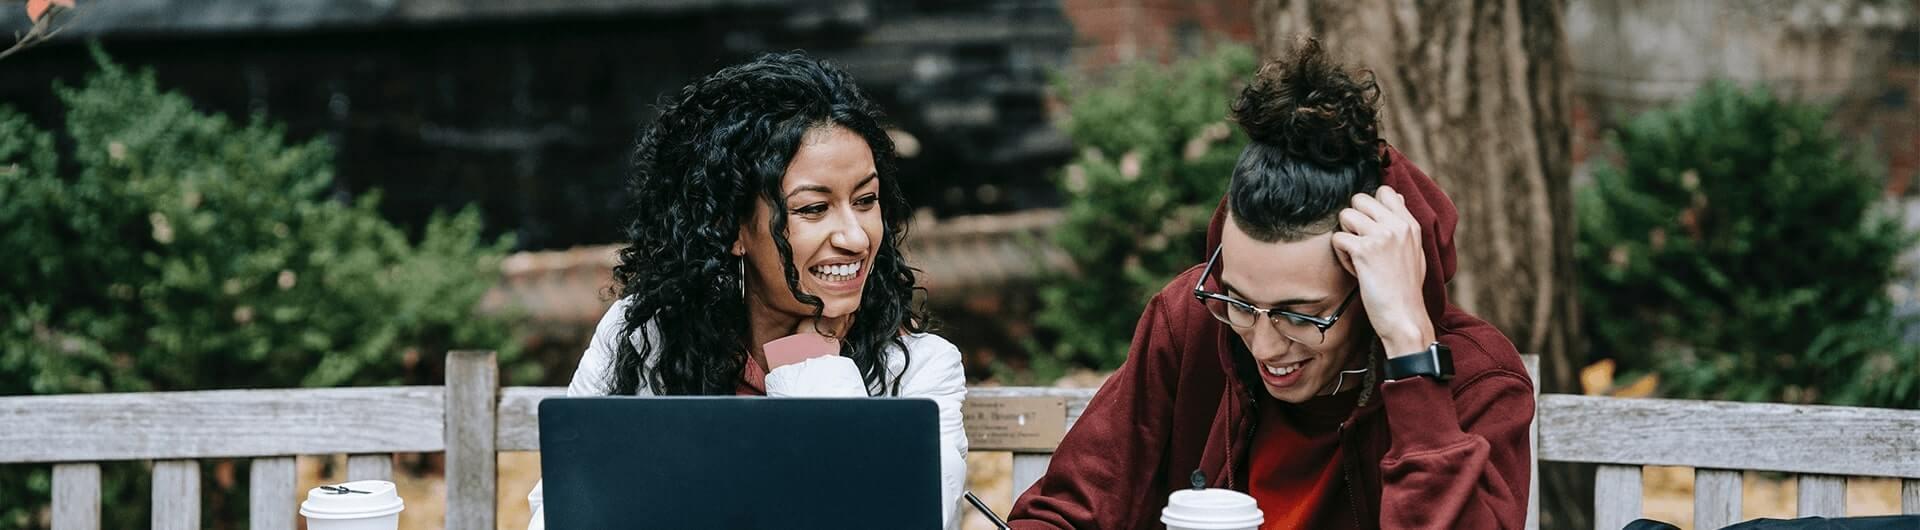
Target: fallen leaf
{"x":1640,"y":388}
{"x":1597,"y":378}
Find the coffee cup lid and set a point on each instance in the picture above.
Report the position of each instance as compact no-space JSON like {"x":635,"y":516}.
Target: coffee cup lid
{"x":352,"y":500}
{"x":1212,"y":509}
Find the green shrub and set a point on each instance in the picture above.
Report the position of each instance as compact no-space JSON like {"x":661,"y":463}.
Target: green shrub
{"x":1738,"y":251}
{"x":1156,"y":151}
{"x":168,"y":249}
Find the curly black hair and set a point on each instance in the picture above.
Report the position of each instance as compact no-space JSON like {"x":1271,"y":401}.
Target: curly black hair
{"x":721,"y":144}
{"x":1315,"y":134}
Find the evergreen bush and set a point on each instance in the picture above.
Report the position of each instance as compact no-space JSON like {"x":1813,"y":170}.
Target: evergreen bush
{"x":1156,"y":151}
{"x":154,"y":247}
{"x":1740,"y":250}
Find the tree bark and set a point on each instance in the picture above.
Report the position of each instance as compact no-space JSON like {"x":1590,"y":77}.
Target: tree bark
{"x":1477,"y":93}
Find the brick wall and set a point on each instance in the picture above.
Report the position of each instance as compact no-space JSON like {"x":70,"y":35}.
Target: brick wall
{"x":1107,"y":32}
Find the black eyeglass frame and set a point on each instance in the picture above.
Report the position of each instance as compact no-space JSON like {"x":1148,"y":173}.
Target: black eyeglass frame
{"x":1201,"y":294}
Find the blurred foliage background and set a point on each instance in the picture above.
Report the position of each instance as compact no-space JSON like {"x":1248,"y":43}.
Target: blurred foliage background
{"x":1740,"y":249}
{"x":153,"y":247}
{"x":1155,"y":148}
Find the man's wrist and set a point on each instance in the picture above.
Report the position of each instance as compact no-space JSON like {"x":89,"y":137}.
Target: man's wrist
{"x":1408,"y":340}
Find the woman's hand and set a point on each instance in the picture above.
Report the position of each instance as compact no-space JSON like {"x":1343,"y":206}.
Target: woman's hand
{"x":809,"y":339}
{"x":1380,"y":245}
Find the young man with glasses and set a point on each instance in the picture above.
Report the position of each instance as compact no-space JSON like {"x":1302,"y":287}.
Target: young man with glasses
{"x":1313,"y":360}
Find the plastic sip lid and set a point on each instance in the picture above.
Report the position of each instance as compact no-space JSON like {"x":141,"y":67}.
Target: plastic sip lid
{"x":1211,"y":508}
{"x":352,"y":500}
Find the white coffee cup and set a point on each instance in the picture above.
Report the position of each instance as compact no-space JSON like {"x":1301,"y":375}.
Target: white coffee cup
{"x":358,"y":505}
{"x":1211,"y":509}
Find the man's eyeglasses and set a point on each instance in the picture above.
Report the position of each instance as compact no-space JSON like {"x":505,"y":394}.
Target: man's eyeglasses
{"x":1301,"y":328}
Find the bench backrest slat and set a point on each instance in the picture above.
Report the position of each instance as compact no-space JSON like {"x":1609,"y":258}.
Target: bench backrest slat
{"x":1027,"y":469}
{"x":1823,"y":495}
{"x":519,"y":428}
{"x":176,"y":495}
{"x":1827,"y":440}
{"x":1910,"y":496}
{"x":220,"y":424}
{"x":1716,"y":498}
{"x":473,"y":393}
{"x":271,"y":498}
{"x":76,"y":496}
{"x":371,"y":466}
{"x":1616,"y":495}
{"x":1533,"y":447}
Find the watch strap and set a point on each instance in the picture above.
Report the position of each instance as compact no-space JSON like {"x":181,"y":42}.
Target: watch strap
{"x":1436,"y":362}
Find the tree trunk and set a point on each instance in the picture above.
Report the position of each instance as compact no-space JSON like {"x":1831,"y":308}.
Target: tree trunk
{"x":1477,"y":94}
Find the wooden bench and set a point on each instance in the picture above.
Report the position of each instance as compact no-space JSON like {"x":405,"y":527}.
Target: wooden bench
{"x":270,"y":427}
{"x":1822,"y":444}
{"x":471,"y":419}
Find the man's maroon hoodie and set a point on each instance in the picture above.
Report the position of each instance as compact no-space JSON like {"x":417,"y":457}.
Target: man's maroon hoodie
{"x":1426,"y":454}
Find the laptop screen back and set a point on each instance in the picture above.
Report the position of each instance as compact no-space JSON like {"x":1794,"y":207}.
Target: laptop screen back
{"x":740,"y":463}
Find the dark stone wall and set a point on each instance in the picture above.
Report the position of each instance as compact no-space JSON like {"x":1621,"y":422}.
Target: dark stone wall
{"x":532,"y":118}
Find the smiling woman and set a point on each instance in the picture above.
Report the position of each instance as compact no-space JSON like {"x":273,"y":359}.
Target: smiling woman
{"x":831,"y":198}
{"x":765,"y":258}
{"x":774,"y":179}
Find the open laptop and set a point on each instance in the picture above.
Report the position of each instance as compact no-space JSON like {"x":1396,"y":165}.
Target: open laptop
{"x":740,"y":463}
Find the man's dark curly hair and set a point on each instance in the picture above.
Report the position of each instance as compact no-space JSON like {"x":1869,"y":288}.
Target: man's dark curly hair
{"x":1315,"y":134}
{"x":718,"y":147}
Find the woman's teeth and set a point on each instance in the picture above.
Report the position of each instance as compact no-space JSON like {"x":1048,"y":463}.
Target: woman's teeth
{"x":1284,"y":370}
{"x":836,"y":273}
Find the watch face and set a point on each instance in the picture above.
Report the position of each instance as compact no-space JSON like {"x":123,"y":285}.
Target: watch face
{"x":1443,"y":356}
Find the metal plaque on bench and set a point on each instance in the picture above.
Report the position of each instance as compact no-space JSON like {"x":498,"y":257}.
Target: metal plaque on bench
{"x":1019,"y":424}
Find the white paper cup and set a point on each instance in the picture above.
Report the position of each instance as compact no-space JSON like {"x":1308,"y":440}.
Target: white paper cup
{"x":371,"y":505}
{"x":1211,"y":509}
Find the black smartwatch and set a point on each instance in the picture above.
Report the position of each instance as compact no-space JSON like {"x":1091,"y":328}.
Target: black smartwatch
{"x":1436,"y":363}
